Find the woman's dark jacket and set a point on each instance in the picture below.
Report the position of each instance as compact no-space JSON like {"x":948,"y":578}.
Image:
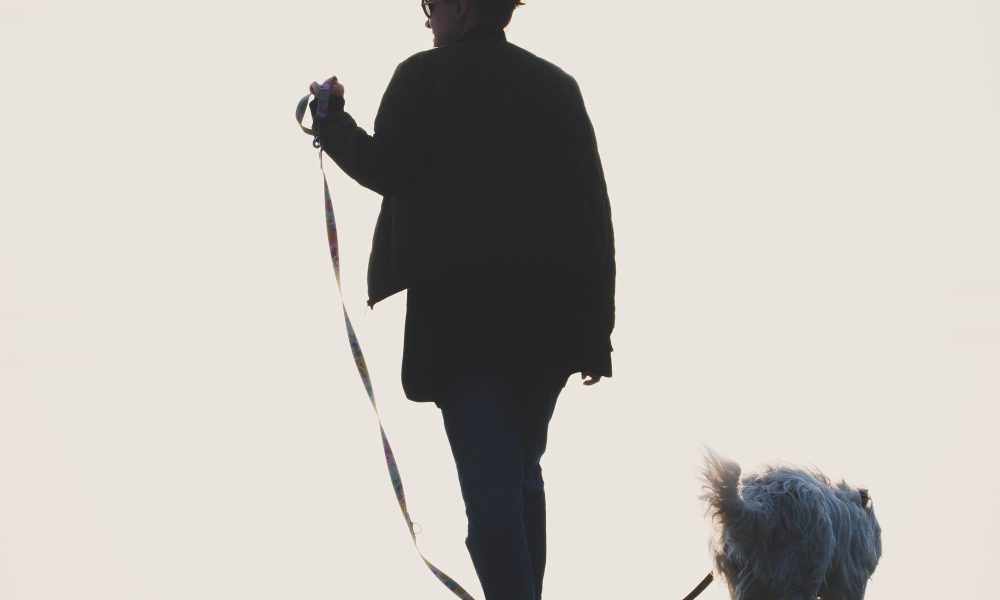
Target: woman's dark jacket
{"x":495,"y":215}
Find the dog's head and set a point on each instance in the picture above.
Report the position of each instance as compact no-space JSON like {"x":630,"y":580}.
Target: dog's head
{"x":865,"y":544}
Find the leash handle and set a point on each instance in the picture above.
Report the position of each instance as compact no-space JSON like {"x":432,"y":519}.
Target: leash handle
{"x":300,"y":113}
{"x":359,"y":360}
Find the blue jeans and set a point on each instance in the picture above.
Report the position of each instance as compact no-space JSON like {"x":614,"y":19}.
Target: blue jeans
{"x":497,"y":428}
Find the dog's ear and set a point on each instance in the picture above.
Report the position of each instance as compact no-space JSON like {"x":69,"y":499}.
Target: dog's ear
{"x":864,"y":497}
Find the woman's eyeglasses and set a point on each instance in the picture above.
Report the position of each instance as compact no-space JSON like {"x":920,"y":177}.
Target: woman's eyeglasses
{"x":428,"y":6}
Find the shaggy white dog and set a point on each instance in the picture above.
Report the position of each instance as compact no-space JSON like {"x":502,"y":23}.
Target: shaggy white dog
{"x":786,"y":533}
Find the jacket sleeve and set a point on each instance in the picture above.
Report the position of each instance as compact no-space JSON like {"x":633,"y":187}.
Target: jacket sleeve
{"x":390,"y":160}
{"x":603,"y":212}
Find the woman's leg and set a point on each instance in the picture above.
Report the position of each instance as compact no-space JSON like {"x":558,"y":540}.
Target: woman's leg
{"x":497,"y":430}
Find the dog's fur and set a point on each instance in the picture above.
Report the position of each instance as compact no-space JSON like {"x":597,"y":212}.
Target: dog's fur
{"x":786,"y":533}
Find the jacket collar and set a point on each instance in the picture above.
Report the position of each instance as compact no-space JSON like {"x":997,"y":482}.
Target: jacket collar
{"x":480,"y":31}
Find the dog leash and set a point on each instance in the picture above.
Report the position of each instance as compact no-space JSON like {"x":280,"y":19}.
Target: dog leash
{"x":359,"y":359}
{"x":700,"y":587}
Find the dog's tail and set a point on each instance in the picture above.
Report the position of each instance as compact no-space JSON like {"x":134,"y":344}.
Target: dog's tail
{"x":722,"y":480}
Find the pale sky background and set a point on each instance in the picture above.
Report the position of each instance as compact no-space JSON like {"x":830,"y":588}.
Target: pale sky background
{"x":806,"y":204}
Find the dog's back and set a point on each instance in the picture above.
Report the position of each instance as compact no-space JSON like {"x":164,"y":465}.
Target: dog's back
{"x":786,"y":533}
{"x":772,"y":542}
